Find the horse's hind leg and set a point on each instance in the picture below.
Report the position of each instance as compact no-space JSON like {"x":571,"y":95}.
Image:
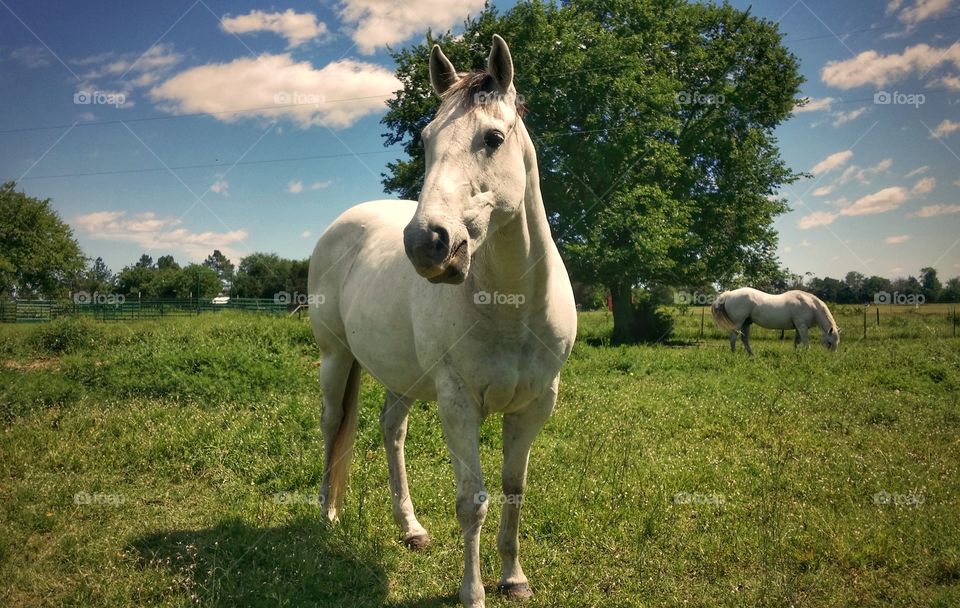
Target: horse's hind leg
{"x":340,"y":383}
{"x":745,"y":336}
{"x":519,"y":431}
{"x":733,"y":341}
{"x":393,"y":422}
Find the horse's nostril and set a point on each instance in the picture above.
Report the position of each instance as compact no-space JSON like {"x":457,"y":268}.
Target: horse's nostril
{"x":442,"y":242}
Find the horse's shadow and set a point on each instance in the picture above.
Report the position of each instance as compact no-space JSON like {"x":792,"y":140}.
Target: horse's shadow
{"x":302,"y":563}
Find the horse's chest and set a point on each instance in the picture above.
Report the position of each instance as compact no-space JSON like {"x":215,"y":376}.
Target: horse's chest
{"x":510,"y":373}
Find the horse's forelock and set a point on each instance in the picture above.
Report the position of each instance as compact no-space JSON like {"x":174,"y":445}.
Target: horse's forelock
{"x":471,"y":90}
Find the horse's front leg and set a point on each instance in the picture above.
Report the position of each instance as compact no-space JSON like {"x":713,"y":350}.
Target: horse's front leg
{"x":461,"y":420}
{"x":393,"y":422}
{"x":803,"y":334}
{"x":519,"y":431}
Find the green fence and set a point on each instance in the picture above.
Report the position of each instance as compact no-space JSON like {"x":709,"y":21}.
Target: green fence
{"x":130,"y":309}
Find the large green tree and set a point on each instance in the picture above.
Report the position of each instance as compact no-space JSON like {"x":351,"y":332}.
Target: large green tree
{"x":39,"y":258}
{"x":653,"y":121}
{"x":265,"y":275}
{"x":222,"y":265}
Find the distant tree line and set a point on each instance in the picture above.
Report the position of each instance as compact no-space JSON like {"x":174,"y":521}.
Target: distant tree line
{"x":259,"y":275}
{"x":856,"y":288}
{"x":41,"y":259}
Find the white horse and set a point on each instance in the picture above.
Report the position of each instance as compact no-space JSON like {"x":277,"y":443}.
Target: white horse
{"x":734,"y":311}
{"x":460,"y":298}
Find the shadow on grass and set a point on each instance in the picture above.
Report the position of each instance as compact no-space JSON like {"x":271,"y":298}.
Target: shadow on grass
{"x":302,"y":563}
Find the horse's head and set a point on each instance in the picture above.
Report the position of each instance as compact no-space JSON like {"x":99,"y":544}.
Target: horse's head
{"x":475,"y":171}
{"x":831,"y":338}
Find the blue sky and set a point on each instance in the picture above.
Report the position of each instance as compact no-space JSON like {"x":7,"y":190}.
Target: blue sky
{"x":304,"y":82}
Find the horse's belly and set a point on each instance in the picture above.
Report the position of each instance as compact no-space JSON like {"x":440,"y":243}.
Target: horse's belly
{"x":781,"y":320}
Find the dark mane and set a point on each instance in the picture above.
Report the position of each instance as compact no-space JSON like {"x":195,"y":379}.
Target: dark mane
{"x":471,"y":90}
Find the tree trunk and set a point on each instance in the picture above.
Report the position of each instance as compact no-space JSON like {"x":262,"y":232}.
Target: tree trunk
{"x":623,"y":317}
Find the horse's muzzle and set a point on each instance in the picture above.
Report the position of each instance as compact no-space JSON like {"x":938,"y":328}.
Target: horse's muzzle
{"x":432,"y":254}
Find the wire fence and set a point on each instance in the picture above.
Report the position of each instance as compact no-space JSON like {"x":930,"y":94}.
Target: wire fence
{"x":120,"y":309}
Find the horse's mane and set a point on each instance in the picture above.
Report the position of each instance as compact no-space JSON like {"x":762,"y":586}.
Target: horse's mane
{"x":471,"y":89}
{"x":825,"y":311}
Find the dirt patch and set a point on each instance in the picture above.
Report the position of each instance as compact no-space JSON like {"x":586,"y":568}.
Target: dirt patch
{"x":31,"y":366}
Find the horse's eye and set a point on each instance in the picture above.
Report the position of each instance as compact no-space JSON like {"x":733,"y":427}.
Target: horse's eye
{"x":493,"y":139}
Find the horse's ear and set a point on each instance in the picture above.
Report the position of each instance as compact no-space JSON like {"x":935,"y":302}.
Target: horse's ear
{"x":500,"y":64}
{"x":831,"y":331}
{"x":442,"y":72}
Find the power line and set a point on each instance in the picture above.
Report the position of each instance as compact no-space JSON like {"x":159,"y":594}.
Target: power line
{"x":206,"y":165}
{"x":380,"y":96}
{"x":93,"y":123}
{"x":546,"y":135}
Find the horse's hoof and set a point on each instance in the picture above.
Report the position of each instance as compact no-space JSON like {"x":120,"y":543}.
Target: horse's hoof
{"x":417,"y":542}
{"x":515,"y":591}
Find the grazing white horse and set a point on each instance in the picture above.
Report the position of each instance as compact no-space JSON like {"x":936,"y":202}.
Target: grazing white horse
{"x":734,"y":311}
{"x":460,"y":298}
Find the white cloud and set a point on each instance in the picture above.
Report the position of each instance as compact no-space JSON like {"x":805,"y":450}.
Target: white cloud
{"x":32,"y":57}
{"x":865,"y":175}
{"x":152,"y":232}
{"x":882,"y":201}
{"x":815,"y":105}
{"x":936,"y":210}
{"x":321,"y":184}
{"x":917,"y":171}
{"x":924,"y":186}
{"x":815,"y":219}
{"x":221,"y":186}
{"x":121,"y":74}
{"x":842,"y":118}
{"x":945,"y":128}
{"x":276,"y":86}
{"x":870,"y":67}
{"x":922,"y":10}
{"x":297,"y":28}
{"x":834,"y":161}
{"x":295,"y":187}
{"x":951,"y":83}
{"x":305,"y":234}
{"x":896,"y":239}
{"x":377,"y":23}
{"x":823,"y":190}
{"x":893,"y":5}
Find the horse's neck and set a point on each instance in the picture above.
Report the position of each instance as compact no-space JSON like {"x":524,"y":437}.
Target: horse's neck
{"x":517,"y":258}
{"x":823,"y":318}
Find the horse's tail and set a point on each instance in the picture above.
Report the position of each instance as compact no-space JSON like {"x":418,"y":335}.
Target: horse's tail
{"x":720,"y":316}
{"x":341,"y":452}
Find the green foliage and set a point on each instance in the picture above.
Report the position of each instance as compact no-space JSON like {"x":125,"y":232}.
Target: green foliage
{"x":263,"y":275}
{"x":166,"y":279}
{"x":65,"y":335}
{"x":642,"y":185}
{"x":39,"y":258}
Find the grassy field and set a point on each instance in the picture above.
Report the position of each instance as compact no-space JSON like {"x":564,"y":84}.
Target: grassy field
{"x":175,"y":463}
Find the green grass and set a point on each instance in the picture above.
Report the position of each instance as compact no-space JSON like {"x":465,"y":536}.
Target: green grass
{"x":676,"y":475}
